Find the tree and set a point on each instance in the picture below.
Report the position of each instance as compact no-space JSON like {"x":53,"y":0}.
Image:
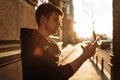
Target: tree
{"x":92,"y":9}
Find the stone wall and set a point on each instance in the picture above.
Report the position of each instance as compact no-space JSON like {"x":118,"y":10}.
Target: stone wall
{"x":10,"y":65}
{"x":115,"y":57}
{"x":15,"y":14}
{"x":11,"y":72}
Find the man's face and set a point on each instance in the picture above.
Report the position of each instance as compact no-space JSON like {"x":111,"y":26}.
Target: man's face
{"x":53,"y":23}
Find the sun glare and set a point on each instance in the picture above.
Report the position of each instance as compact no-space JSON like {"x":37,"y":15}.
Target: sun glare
{"x":83,"y":30}
{"x":85,"y":13}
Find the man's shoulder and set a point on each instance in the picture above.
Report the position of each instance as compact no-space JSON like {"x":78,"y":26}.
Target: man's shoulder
{"x":26,"y":34}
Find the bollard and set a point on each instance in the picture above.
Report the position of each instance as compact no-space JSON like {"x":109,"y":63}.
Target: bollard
{"x":96,"y":60}
{"x":102,"y":65}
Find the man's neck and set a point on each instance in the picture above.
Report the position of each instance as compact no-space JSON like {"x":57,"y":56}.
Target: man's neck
{"x":44,"y":32}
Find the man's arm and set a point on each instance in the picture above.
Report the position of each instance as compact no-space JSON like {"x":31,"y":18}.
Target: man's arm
{"x":88,"y":51}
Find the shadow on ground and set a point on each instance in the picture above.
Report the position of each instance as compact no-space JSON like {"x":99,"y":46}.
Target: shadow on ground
{"x":98,"y":70}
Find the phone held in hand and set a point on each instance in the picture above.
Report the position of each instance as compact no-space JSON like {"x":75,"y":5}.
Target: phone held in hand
{"x":95,"y":42}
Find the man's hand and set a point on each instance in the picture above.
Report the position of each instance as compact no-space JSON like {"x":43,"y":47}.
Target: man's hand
{"x":89,"y":50}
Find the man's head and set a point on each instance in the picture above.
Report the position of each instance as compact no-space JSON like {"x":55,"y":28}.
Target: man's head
{"x":47,"y":15}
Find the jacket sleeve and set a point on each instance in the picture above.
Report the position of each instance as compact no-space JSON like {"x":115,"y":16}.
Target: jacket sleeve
{"x":66,"y":71}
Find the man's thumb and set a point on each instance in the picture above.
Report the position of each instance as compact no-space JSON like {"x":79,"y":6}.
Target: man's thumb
{"x":82,"y":47}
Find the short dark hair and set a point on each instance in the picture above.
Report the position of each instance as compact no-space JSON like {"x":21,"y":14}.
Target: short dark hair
{"x":46,"y":9}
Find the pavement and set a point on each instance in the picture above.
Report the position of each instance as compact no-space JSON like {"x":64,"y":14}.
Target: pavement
{"x":88,"y":71}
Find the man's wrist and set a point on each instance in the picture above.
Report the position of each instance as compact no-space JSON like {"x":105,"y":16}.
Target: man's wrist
{"x":84,"y":56}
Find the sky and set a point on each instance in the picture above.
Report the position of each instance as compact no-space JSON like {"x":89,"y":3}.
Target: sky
{"x":99,"y":11}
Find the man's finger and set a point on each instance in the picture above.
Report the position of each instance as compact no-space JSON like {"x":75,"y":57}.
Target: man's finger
{"x":82,"y":47}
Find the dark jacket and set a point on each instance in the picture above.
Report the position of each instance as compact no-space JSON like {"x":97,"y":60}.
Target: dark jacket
{"x":44,"y":66}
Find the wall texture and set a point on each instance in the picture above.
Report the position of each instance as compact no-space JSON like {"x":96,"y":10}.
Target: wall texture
{"x":15,"y":14}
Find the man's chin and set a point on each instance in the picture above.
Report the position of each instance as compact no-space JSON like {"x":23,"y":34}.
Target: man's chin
{"x":54,"y":32}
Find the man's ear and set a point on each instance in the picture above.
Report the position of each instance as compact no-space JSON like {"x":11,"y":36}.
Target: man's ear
{"x":43,"y":19}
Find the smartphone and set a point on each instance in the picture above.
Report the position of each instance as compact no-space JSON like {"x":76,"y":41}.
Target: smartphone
{"x":96,"y":41}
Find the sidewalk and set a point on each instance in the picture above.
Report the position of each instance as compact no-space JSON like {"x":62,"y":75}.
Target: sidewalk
{"x":88,"y":71}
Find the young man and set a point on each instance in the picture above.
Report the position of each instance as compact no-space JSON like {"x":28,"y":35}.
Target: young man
{"x":40,"y":55}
